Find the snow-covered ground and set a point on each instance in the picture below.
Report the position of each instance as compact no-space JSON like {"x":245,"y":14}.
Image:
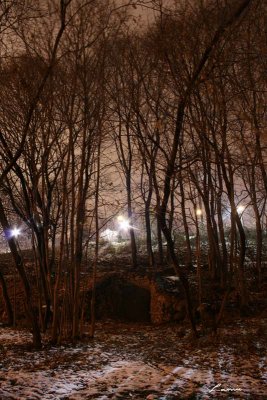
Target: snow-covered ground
{"x":137,"y":362}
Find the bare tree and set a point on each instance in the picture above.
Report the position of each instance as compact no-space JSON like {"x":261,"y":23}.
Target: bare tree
{"x":195,"y":72}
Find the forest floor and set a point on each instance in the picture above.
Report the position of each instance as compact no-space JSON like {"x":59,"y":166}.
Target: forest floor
{"x":139,"y":361}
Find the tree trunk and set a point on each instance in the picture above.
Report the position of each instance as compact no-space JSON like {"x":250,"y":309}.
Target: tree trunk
{"x":130,"y":216}
{"x":9,"y":310}
{"x":30,"y":310}
{"x":93,"y":299}
{"x":148,"y":235}
{"x":189,"y":258}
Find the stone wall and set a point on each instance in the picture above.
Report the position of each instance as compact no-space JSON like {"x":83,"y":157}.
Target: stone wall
{"x":139,"y":299}
{"x":164,"y":306}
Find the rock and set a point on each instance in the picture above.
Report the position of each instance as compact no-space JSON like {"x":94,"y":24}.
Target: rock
{"x":166,"y":306}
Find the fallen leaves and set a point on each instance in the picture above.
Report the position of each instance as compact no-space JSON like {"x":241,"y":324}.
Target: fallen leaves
{"x":134,"y":361}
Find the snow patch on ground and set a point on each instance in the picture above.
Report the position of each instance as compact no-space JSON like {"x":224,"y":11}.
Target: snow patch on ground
{"x":142,"y":363}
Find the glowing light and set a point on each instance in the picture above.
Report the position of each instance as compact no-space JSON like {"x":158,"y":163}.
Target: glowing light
{"x":240,"y":209}
{"x":198,"y":212}
{"x":124,"y":225}
{"x":15,"y":232}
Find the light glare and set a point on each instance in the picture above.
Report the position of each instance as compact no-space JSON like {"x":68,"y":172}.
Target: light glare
{"x":124,"y":224}
{"x":15,"y":232}
{"x":240,"y":209}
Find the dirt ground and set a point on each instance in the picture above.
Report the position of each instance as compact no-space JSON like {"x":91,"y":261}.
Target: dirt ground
{"x":139,"y":361}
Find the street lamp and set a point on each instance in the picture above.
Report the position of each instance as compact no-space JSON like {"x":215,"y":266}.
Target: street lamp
{"x":199,"y":212}
{"x":15,"y":232}
{"x":123,"y":223}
